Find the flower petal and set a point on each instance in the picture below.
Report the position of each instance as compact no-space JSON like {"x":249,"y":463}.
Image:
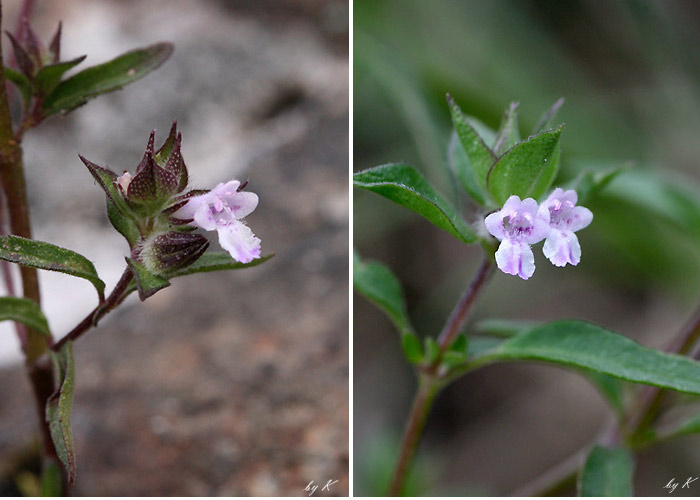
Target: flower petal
{"x":202,"y":214}
{"x":239,"y":241}
{"x":562,"y":248}
{"x":515,"y":258}
{"x":511,"y":206}
{"x":494,"y":224}
{"x":242,"y":204}
{"x":580,"y":218}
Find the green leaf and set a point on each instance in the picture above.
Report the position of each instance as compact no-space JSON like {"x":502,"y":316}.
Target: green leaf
{"x":147,"y":283}
{"x":108,"y":182}
{"x":124,"y":225}
{"x":460,"y":344}
{"x":51,"y":479}
{"x":503,"y":327}
{"x":21,"y":82}
{"x":527,"y":169}
{"x":508,"y":133}
{"x":591,"y":181}
{"x":607,"y":473}
{"x":481,"y":158}
{"x":112,"y":75}
{"x":412,"y":348}
{"x":217,"y":261}
{"x":547,"y":119}
{"x":432,"y":350}
{"x":58,"y":408}
{"x":459,"y":164}
{"x":406,"y":186}
{"x":24,"y":311}
{"x":49,"y":76}
{"x":379,"y":285}
{"x":609,"y":387}
{"x":583,"y":345}
{"x":42,"y":255}
{"x":685,"y":428}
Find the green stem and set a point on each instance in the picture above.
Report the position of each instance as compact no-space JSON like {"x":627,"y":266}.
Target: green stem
{"x":428,"y":388}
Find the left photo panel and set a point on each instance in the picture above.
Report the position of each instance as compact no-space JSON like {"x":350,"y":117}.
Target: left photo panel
{"x":174,"y":235}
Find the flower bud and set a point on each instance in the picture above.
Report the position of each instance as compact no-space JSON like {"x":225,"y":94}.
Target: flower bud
{"x":170,"y":251}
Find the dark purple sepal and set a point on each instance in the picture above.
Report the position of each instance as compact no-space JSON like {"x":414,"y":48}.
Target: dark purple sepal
{"x":175,"y":250}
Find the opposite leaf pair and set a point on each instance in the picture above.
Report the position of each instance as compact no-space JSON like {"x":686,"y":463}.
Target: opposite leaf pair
{"x":520,"y":224}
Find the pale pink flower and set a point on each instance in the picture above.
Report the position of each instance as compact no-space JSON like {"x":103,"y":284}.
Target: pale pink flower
{"x":222,"y":209}
{"x":518,"y":225}
{"x":561,"y":246}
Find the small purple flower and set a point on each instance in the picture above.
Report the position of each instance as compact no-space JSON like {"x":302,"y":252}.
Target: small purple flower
{"x":518,"y":225}
{"x":561,"y":246}
{"x":221,"y":209}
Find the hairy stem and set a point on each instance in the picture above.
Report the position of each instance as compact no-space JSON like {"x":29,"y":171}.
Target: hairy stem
{"x":115,"y":298}
{"x":428,"y":388}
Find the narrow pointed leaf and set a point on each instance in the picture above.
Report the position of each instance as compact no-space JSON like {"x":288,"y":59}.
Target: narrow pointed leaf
{"x":146,"y":282}
{"x":58,"y":408}
{"x":49,"y":76}
{"x":24,"y":61}
{"x":509,"y":133}
{"x":380,"y":286}
{"x":527,"y":169}
{"x":217,"y":261}
{"x":546,"y":121}
{"x":24,"y":311}
{"x":42,"y":255}
{"x":406,"y":186}
{"x":459,"y":164}
{"x":107,"y":181}
{"x":480,"y":156}
{"x":112,"y":75}
{"x":607,"y":473}
{"x":22,"y":83}
{"x":578,"y":344}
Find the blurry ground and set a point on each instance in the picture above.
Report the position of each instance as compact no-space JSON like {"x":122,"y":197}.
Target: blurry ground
{"x":231,"y":383}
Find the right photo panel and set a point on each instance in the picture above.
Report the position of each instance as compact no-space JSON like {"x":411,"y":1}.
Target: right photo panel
{"x":526,"y":205}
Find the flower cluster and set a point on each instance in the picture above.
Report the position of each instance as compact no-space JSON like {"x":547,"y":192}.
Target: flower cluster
{"x":521,"y":223}
{"x":155,"y":214}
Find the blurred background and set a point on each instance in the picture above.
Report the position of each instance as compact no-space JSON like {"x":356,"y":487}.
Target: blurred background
{"x":630,"y":74}
{"x":231,"y":383}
